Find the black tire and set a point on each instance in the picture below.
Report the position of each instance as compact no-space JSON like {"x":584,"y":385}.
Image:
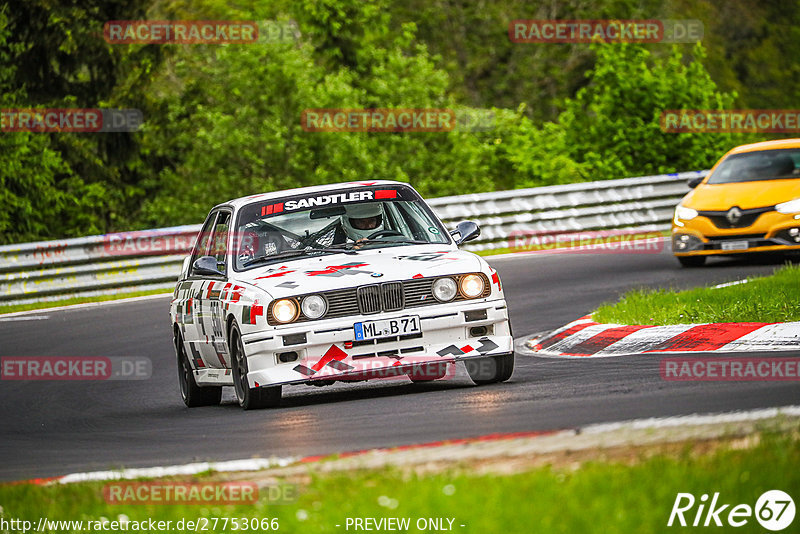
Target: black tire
{"x":491,"y":369}
{"x":428,"y":372}
{"x":249,"y":398}
{"x":692,"y":261}
{"x":192,"y":394}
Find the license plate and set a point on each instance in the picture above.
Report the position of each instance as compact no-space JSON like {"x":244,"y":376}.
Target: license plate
{"x":735,"y":245}
{"x":400,"y":326}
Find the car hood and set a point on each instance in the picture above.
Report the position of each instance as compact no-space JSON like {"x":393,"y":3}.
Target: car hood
{"x":338,"y":271}
{"x":745,"y":195}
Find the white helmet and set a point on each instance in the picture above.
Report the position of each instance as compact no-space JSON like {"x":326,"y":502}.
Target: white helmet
{"x":362,"y":220}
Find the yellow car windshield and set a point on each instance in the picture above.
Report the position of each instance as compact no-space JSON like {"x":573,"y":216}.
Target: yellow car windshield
{"x":761,"y":165}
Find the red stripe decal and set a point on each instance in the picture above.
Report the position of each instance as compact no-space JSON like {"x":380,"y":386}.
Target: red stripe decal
{"x":706,"y":337}
{"x":603,"y":340}
{"x":333,"y":268}
{"x":255,"y":310}
{"x":333,"y":353}
{"x":278,"y":208}
{"x":496,"y":280}
{"x":552,"y":340}
{"x":263,"y":210}
{"x":385,"y":193}
{"x":210,"y":287}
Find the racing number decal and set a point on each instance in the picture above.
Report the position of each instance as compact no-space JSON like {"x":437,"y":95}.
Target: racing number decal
{"x":218,"y":339}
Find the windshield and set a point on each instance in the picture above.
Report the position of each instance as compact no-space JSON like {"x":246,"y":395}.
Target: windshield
{"x":345,"y":220}
{"x":754,"y":166}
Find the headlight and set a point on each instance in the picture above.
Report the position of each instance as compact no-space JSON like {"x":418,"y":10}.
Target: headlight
{"x":684,"y":213}
{"x":444,"y":289}
{"x":284,"y":311}
{"x":314,"y":306}
{"x":793,"y":206}
{"x":472,"y":285}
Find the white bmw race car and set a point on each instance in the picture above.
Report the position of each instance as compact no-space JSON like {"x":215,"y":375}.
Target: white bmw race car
{"x":331,"y":283}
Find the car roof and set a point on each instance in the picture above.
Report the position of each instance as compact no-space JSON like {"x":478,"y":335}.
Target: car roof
{"x":239,"y":202}
{"x":766,"y":145}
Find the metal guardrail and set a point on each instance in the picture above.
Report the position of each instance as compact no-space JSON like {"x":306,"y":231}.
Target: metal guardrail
{"x":107,"y":264}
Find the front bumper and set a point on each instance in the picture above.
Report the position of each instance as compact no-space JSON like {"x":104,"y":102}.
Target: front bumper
{"x":326,"y":350}
{"x":772,"y":232}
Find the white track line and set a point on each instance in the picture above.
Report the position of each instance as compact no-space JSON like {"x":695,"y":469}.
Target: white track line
{"x":252,"y":464}
{"x":87,"y":305}
{"x":729,"y":284}
{"x":695,"y":419}
{"x":24,"y":318}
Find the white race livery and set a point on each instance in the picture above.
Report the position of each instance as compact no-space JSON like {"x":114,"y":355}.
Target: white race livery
{"x":340,"y":282}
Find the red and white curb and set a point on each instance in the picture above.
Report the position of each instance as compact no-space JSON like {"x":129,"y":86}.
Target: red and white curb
{"x":491,"y":446}
{"x":586,"y":338}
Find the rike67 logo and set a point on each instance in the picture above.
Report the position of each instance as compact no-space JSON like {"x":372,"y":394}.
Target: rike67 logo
{"x":774,"y":510}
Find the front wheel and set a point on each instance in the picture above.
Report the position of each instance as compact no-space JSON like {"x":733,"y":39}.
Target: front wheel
{"x":491,"y":369}
{"x":192,"y":394}
{"x":249,"y":398}
{"x":692,"y":261}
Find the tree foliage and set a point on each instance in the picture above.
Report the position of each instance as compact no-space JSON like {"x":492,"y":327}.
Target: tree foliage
{"x":223,"y":121}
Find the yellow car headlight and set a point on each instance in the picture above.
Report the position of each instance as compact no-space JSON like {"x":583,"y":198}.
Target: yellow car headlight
{"x":472,"y":285}
{"x":684,"y":213}
{"x":793,"y":206}
{"x":284,"y":310}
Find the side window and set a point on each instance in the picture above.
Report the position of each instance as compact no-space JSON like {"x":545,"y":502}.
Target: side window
{"x":219,"y":239}
{"x":201,"y":245}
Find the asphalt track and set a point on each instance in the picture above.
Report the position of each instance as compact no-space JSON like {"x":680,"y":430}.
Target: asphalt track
{"x":55,"y":428}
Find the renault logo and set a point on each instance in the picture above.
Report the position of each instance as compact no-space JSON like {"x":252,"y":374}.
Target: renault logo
{"x":733,"y":215}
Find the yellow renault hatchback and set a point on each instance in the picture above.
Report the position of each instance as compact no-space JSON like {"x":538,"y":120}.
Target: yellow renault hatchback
{"x":749,"y":202}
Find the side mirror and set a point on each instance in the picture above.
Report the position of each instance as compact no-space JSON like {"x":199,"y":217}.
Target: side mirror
{"x":206,"y":266}
{"x":465,"y":231}
{"x":694,"y":182}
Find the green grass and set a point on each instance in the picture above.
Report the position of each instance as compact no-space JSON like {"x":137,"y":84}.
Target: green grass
{"x":600,"y":497}
{"x":774,"y":298}
{"x":79,"y":300}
